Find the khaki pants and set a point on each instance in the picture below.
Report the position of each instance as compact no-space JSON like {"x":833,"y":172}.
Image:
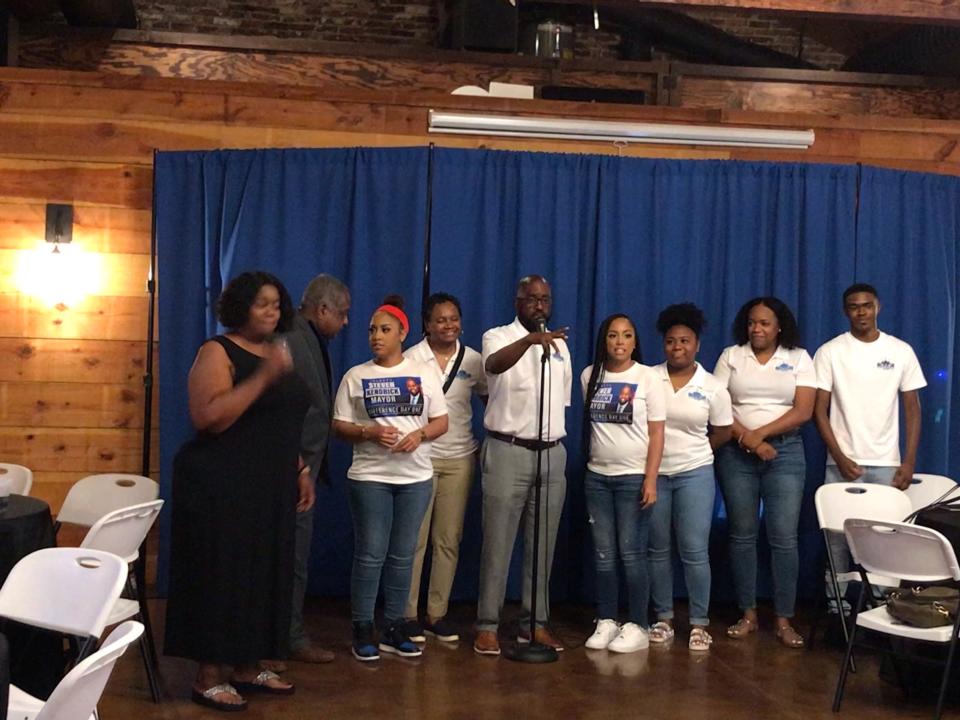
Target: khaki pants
{"x":443,"y":526}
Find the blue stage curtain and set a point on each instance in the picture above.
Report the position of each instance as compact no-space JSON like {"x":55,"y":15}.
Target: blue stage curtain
{"x":498,"y":216}
{"x":717,"y":234}
{"x":908,"y":236}
{"x":610,"y":234}
{"x":629,"y":235}
{"x":357,"y":214}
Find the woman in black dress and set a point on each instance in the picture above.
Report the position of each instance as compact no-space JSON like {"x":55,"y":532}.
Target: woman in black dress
{"x":235,"y":494}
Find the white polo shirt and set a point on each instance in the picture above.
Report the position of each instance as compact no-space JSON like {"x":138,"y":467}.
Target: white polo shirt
{"x":371,"y":393}
{"x":618,"y":433}
{"x":763,"y":392}
{"x":865,"y":381}
{"x":702,"y":400}
{"x":515,"y":394}
{"x":458,"y":441}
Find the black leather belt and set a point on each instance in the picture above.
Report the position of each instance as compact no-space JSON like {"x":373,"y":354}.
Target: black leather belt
{"x":523,"y":442}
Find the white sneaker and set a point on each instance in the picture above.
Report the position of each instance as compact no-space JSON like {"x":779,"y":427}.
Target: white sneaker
{"x":606,"y":631}
{"x":632,"y":637}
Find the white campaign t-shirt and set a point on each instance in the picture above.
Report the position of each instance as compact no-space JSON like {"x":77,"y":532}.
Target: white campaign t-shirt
{"x":702,"y":400}
{"x":515,"y":394}
{"x":370,"y":393}
{"x":458,"y":441}
{"x":865,"y":380}
{"x":619,"y":412}
{"x":762,"y":393}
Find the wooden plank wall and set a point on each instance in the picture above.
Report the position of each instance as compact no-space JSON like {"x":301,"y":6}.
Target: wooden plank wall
{"x":70,"y":375}
{"x":335,"y":66}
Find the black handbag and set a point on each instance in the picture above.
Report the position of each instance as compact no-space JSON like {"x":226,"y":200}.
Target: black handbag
{"x":926,"y":608}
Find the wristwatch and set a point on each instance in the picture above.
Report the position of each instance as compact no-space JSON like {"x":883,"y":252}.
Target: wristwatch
{"x":423,"y":435}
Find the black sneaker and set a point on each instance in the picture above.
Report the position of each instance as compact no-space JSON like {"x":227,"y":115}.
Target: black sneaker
{"x":414,"y":630}
{"x":364,"y":648}
{"x":442,"y":630}
{"x":395,"y":640}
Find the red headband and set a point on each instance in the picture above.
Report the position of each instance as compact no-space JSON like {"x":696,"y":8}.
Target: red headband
{"x":397,"y":313}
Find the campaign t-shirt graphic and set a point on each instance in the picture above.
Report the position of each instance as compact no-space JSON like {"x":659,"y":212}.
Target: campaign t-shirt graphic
{"x":613,"y":403}
{"x":393,"y":396}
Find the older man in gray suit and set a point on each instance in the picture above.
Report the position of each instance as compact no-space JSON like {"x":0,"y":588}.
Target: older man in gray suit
{"x":323,"y":313}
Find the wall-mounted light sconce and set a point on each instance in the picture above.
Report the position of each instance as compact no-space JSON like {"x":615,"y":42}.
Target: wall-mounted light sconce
{"x":67,"y":275}
{"x":59,"y":225}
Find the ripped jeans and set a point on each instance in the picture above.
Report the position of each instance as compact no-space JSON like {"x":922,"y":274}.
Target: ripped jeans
{"x":620,"y":530}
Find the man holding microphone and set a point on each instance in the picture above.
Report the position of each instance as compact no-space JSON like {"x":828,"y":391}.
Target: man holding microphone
{"x":512,"y":360}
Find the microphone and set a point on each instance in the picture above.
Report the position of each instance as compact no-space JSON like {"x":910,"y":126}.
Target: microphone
{"x":542,"y":328}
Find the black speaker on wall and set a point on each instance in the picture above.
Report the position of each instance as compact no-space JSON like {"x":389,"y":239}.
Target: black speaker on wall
{"x":489,"y":25}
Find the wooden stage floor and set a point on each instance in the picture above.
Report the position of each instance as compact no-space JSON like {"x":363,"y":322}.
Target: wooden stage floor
{"x":752,"y":678}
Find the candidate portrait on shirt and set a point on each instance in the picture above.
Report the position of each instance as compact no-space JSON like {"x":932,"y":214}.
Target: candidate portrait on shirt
{"x":414,"y":394}
{"x":624,"y":400}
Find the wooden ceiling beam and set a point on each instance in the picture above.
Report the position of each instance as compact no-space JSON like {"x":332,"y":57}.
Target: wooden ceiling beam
{"x":914,"y":11}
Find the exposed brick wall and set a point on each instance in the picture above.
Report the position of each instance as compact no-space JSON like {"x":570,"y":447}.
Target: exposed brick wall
{"x":770,"y":32}
{"x":417,"y":23}
{"x":408,"y":22}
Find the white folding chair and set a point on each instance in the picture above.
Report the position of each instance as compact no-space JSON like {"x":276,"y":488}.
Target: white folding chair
{"x":835,"y":502}
{"x":927,"y":489}
{"x":121,"y":532}
{"x":20,"y":476}
{"x":92,"y":497}
{"x":911,"y":552}
{"x":66,"y":590}
{"x":77,"y":695}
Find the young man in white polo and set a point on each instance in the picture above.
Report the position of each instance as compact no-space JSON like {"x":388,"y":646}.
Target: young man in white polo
{"x":863,"y":377}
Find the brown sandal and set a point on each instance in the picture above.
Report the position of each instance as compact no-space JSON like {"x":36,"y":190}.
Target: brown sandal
{"x":789,"y":637}
{"x":743,"y":627}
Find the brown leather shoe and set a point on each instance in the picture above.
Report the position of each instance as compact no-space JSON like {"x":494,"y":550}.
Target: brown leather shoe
{"x":543,"y":637}
{"x":311,"y":654}
{"x":486,"y":643}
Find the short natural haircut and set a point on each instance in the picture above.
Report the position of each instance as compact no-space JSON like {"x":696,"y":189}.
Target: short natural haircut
{"x":527,"y":280}
{"x":438,"y":298}
{"x":234,"y":303}
{"x":860,"y":288}
{"x":324,"y":290}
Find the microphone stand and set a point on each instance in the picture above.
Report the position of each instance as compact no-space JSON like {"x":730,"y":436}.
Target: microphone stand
{"x":535,"y":652}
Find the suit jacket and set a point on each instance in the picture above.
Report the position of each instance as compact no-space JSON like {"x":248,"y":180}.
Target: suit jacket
{"x":310,"y":366}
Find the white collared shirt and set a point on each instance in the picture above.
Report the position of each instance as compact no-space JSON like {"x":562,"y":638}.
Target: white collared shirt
{"x":763,"y":392}
{"x":515,"y":394}
{"x":458,"y":441}
{"x":371,"y":393}
{"x":703,"y":400}
{"x":618,"y":434}
{"x":865,"y":380}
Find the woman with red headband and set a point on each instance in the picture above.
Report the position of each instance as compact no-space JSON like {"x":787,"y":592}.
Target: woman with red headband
{"x":390,"y":408}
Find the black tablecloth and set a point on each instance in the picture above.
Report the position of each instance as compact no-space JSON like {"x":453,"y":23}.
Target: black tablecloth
{"x":36,"y":657}
{"x":25,"y":526}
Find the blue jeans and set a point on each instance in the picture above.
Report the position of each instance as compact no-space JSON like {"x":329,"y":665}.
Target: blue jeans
{"x":745,"y":480}
{"x":620,"y":527}
{"x":873,"y":474}
{"x":685,"y":503}
{"x":386,"y":519}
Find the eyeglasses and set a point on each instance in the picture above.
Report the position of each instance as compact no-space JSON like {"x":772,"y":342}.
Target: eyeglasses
{"x":534,"y":300}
